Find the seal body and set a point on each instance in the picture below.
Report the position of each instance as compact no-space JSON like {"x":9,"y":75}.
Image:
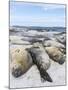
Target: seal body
{"x":21,"y":61}
{"x":49,"y":43}
{"x":55,"y":54}
{"x":41,"y":60}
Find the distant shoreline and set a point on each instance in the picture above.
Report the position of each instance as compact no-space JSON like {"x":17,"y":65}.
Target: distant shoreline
{"x":37,"y":28}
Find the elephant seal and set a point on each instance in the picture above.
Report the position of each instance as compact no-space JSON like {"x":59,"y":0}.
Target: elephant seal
{"x":41,"y":60}
{"x":21,"y":61}
{"x":49,"y":43}
{"x":55,"y":54}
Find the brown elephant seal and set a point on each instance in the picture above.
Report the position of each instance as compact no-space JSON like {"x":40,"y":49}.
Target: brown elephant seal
{"x":55,"y":54}
{"x":41,"y":60}
{"x":21,"y":61}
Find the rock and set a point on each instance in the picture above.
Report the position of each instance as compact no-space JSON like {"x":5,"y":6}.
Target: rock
{"x":61,"y":38}
{"x":17,"y":40}
{"x":21,"y":61}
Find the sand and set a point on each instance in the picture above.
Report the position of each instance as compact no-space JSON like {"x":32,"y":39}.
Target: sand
{"x":32,"y":77}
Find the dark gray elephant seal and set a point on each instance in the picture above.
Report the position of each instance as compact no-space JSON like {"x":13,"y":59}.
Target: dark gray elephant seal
{"x":42,"y":60}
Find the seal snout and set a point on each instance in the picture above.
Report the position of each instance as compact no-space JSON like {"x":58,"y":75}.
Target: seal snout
{"x":17,"y":72}
{"x":62,"y":60}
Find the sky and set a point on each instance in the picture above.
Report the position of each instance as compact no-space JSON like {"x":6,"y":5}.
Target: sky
{"x":37,"y":14}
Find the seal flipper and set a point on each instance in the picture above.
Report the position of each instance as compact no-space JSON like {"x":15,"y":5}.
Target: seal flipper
{"x":45,"y":75}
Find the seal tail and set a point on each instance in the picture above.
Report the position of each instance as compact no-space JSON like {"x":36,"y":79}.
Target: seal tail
{"x":45,"y":76}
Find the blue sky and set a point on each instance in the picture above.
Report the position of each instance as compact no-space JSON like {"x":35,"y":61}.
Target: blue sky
{"x":36,"y":14}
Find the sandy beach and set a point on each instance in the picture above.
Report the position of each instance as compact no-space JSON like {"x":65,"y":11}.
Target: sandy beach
{"x":32,"y":77}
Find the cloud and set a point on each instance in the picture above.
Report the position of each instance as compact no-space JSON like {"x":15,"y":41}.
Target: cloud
{"x":51,"y":6}
{"x":45,"y":6}
{"x":39,"y":19}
